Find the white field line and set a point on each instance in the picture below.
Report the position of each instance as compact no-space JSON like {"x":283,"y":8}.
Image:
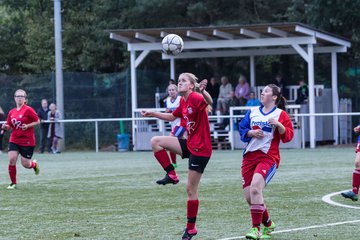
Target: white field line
{"x":327,"y":199}
{"x":301,"y":228}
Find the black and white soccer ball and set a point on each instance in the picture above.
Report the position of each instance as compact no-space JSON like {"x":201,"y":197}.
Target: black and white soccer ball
{"x":172,"y":44}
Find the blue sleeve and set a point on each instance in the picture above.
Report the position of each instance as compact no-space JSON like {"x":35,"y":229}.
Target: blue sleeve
{"x":244,"y":127}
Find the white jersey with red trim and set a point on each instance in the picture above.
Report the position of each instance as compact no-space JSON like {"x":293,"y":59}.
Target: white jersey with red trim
{"x":254,"y":119}
{"x":172,"y":105}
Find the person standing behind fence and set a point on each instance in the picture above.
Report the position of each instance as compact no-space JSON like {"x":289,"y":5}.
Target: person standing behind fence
{"x":22,"y":121}
{"x":302,"y":92}
{"x":178,"y":127}
{"x":44,"y":127}
{"x":2,"y":118}
{"x":197,"y":146}
{"x":213,"y":89}
{"x":262,"y":128}
{"x":55,"y":131}
{"x":353,"y":194}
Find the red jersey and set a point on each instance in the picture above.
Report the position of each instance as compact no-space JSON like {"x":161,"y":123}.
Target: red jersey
{"x":194,"y":112}
{"x":15,"y":119}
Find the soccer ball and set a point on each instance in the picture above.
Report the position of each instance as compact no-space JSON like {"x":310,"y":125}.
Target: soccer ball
{"x":172,"y":44}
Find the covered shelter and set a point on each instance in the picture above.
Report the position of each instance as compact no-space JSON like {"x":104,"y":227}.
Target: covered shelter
{"x":241,"y":41}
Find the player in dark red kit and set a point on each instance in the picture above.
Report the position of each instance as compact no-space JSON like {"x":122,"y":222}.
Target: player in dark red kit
{"x":353,"y":194}
{"x":197,"y":147}
{"x":22,"y":121}
{"x":262,"y":128}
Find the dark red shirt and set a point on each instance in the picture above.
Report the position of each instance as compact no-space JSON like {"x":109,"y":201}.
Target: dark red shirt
{"x":194,"y":112}
{"x":15,"y":119}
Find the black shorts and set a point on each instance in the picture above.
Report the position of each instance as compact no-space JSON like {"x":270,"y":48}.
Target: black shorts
{"x":196,"y":163}
{"x":25,"y":151}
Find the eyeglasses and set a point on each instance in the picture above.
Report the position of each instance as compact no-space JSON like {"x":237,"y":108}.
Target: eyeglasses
{"x":19,"y":96}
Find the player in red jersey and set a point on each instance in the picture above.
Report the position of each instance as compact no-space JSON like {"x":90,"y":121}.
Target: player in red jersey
{"x":353,"y":194}
{"x":197,"y":147}
{"x":263,"y":127}
{"x":22,"y":121}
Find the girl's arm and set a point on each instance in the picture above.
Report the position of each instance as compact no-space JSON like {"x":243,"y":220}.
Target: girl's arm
{"x":159,"y":115}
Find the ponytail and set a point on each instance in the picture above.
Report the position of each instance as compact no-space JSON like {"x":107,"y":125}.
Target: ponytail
{"x":281,"y":102}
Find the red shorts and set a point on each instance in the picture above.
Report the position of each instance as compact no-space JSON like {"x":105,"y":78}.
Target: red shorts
{"x":357,"y":148}
{"x":257,"y":162}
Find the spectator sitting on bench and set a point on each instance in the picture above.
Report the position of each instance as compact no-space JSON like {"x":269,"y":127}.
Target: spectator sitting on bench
{"x":253,"y":101}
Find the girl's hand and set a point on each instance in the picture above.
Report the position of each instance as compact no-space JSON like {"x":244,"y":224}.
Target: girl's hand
{"x":24,"y":127}
{"x":145,"y":113}
{"x":273,"y":122}
{"x":258,"y":133}
{"x":5,"y":127}
{"x":203,"y":84}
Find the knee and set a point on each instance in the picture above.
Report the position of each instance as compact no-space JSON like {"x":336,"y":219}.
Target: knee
{"x":25,"y":163}
{"x":254,"y":190}
{"x":12,"y":161}
{"x":154,"y":142}
{"x":357,"y":163}
{"x":190,"y":192}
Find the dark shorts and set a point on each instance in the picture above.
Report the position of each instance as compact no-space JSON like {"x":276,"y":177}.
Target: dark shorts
{"x":25,"y":151}
{"x":196,"y":163}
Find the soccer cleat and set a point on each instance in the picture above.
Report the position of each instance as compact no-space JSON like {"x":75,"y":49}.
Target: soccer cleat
{"x":175,"y":165}
{"x":188,"y":234}
{"x":253,"y":234}
{"x":11,"y":186}
{"x":167,"y":180}
{"x":351,"y":195}
{"x":266,"y":234}
{"x":36,"y":168}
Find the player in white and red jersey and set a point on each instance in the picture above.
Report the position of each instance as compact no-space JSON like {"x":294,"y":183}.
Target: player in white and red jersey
{"x":178,"y":126}
{"x":22,"y":121}
{"x":262,"y":128}
{"x":353,"y":194}
{"x":197,"y":146}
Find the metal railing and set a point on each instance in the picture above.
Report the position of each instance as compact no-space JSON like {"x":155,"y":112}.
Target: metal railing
{"x":231,"y":117}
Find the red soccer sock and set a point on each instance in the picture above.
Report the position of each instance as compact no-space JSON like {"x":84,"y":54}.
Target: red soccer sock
{"x":192,"y":211}
{"x":12,"y":173}
{"x":266,"y":218}
{"x":33,"y":164}
{"x":257,"y":214}
{"x":356,"y":181}
{"x":173,"y":157}
{"x":164,"y":160}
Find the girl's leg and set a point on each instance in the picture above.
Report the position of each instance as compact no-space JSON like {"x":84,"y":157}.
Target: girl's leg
{"x":30,"y":164}
{"x":266,"y":218}
{"x":13,"y":156}
{"x":356,"y":174}
{"x":257,"y":206}
{"x":159,"y":145}
{"x":173,"y":155}
{"x":55,"y":143}
{"x":353,"y":194}
{"x":193,"y":200}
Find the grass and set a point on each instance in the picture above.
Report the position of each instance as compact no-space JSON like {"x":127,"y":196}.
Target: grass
{"x":114,"y":196}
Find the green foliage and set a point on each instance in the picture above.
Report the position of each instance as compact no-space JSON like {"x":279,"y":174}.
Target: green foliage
{"x":27,"y":36}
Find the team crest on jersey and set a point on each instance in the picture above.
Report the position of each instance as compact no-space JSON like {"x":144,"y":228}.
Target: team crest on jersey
{"x":189,"y":110}
{"x":20,"y":116}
